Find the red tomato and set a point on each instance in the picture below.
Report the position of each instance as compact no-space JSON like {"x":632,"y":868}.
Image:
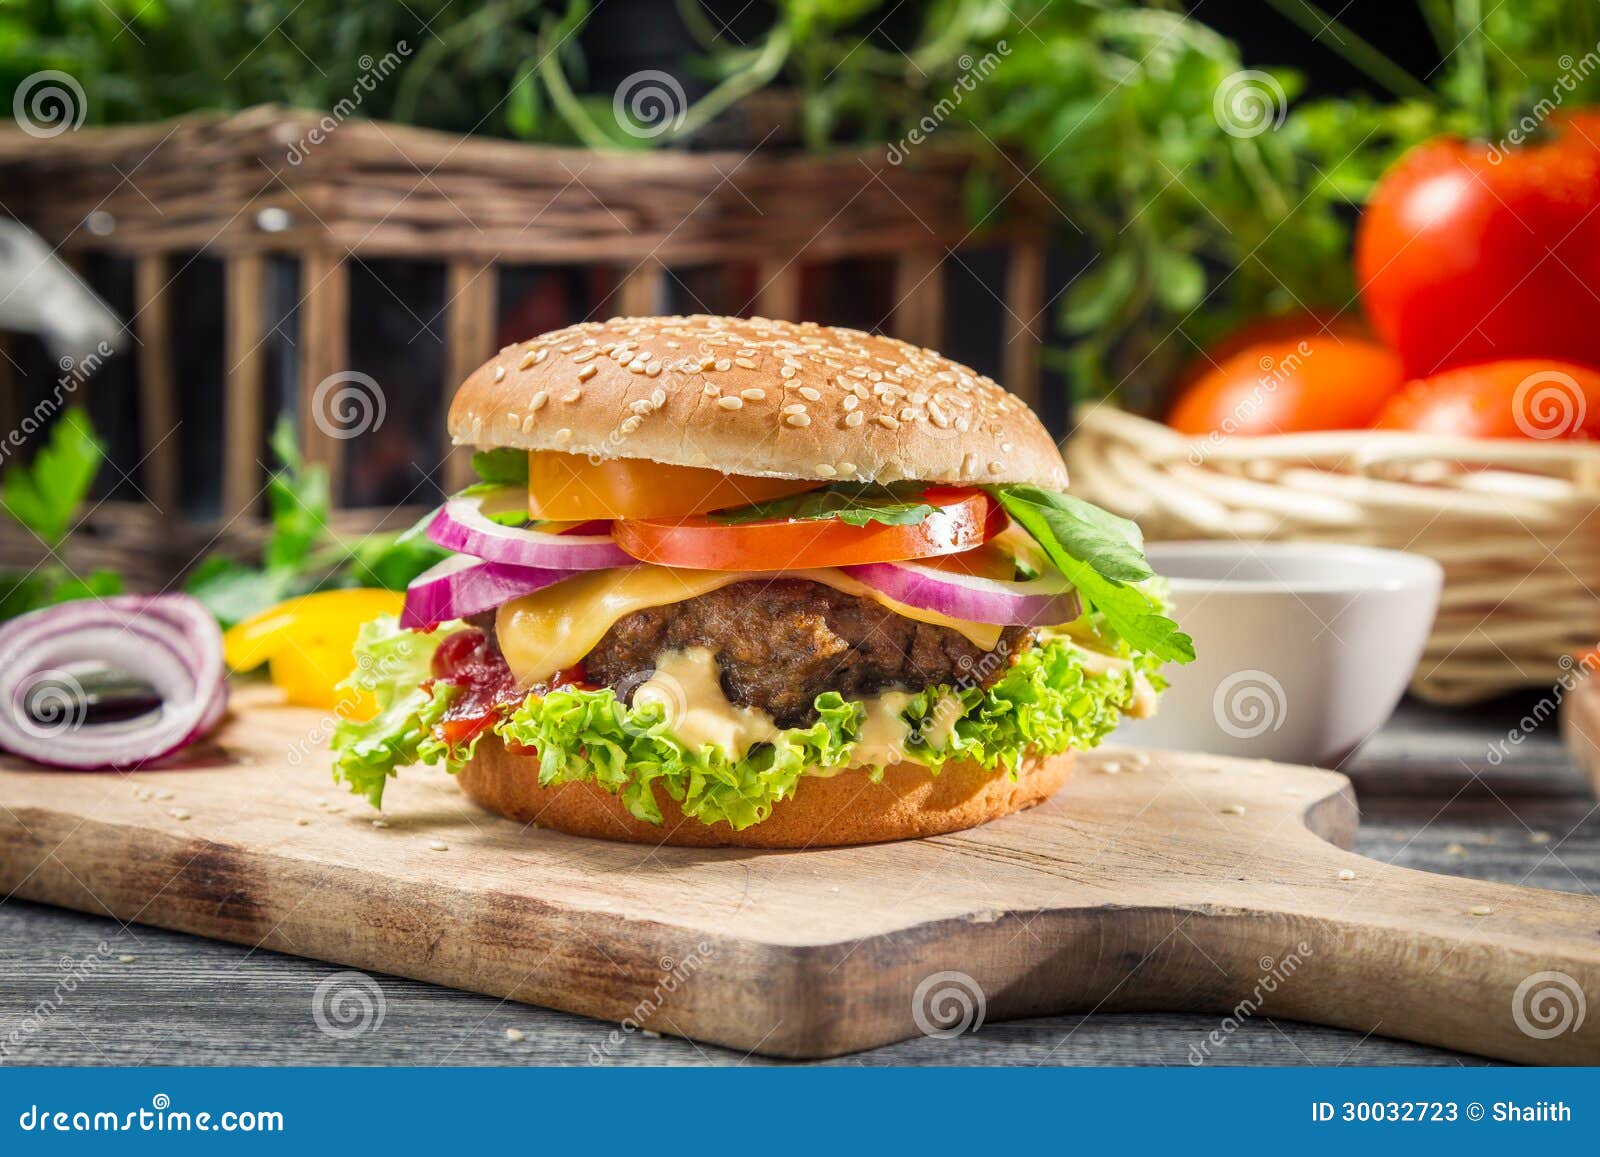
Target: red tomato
{"x":1271,"y":329}
{"x":1517,"y":398}
{"x":965,"y":519}
{"x":1467,"y":254}
{"x":1321,"y":382}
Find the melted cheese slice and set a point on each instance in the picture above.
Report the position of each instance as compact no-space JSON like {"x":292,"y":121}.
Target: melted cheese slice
{"x":552,"y":629}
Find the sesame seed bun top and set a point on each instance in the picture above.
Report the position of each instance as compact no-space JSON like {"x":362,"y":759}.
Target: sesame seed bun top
{"x":751,"y":396}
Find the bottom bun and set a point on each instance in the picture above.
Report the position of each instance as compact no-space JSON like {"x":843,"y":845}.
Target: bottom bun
{"x":824,"y":811}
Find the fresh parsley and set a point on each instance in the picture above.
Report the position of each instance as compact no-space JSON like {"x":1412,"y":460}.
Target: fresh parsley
{"x":298,"y":557}
{"x":853,"y":503}
{"x":1103,"y":556}
{"x":44,"y":496}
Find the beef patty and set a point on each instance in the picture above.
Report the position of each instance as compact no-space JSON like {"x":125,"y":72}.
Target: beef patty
{"x":781,"y":643}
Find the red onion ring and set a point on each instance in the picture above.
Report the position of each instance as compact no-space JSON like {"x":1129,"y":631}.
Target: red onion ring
{"x":462,"y":526}
{"x":1042,"y":602}
{"x":168,"y":641}
{"x":462,"y":585}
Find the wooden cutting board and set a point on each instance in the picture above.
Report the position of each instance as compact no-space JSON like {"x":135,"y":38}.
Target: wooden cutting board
{"x":1154,"y":881}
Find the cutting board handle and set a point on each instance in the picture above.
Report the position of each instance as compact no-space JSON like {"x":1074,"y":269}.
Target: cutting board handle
{"x":1494,"y":969}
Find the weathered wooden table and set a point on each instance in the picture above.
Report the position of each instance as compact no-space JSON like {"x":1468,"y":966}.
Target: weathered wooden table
{"x":1440,"y":790}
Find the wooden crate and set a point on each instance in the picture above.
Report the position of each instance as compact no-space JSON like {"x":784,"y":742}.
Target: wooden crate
{"x":254,"y":184}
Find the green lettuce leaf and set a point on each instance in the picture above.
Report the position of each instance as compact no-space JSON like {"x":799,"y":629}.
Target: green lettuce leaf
{"x":391,"y":664}
{"x":1045,"y":703}
{"x":853,"y":503}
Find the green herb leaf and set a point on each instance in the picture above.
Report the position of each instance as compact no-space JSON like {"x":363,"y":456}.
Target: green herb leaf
{"x":44,"y":496}
{"x":297,"y":495}
{"x":856,"y":504}
{"x":1102,"y":555}
{"x":503,"y":467}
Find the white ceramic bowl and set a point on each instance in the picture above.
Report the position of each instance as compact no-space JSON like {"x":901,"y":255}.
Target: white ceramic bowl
{"x":1303,"y":649}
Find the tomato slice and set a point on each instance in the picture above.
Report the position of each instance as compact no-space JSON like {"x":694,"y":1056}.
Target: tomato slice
{"x":964,"y":519}
{"x":570,"y":488}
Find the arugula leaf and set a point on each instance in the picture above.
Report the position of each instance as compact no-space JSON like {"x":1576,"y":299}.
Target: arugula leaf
{"x":502,"y":467}
{"x":1102,"y":555}
{"x":897,"y":504}
{"x":44,"y":496}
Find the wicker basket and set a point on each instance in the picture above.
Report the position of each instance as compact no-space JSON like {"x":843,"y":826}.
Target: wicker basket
{"x":1516,"y":525}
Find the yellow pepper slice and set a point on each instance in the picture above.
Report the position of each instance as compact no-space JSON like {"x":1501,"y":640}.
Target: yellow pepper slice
{"x":307,"y":643}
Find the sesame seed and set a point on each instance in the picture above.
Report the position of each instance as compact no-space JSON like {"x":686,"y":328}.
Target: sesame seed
{"x":572,"y":395}
{"x":908,"y":414}
{"x":641,"y":406}
{"x":847,"y":468}
{"x":1347,"y":874}
{"x":939,"y":417}
{"x":301,"y":821}
{"x":798,"y":420}
{"x":380,"y":823}
{"x":753,"y":394}
{"x":586,"y":373}
{"x":563,"y":435}
{"x":854,"y":419}
{"x":723,"y":365}
{"x":515,"y":1035}
{"x":527,"y":362}
{"x":653,"y":370}
{"x":788,"y":372}
{"x":499,"y":373}
{"x":826,"y":469}
{"x":711,"y":391}
{"x":707,"y":363}
{"x":1480,"y":910}
{"x":810,"y":394}
{"x":582,"y":356}
{"x":527,"y":423}
{"x":887,"y":421}
{"x":1233,"y":809}
{"x":995,"y":467}
{"x":747,"y":363}
{"x":919,"y":399}
{"x":1005,"y":447}
{"x":438,"y":846}
{"x":638,"y":366}
{"x":125,"y":959}
{"x":730,"y":403}
{"x":795,"y":408}
{"x":538,"y":400}
{"x":179,"y":813}
{"x":629,"y":425}
{"x":851,"y":401}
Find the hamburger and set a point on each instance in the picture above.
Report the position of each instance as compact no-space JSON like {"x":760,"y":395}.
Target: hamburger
{"x":732,"y":581}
